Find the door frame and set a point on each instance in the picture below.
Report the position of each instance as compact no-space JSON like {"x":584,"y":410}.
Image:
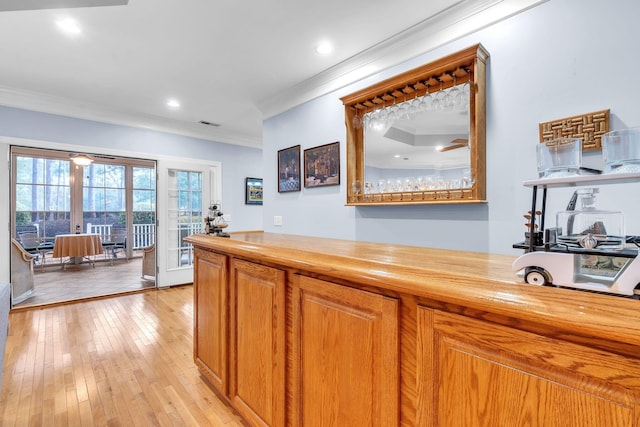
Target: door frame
{"x":211,"y":191}
{"x":5,"y":196}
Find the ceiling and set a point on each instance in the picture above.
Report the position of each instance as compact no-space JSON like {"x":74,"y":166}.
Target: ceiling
{"x":231,"y":63}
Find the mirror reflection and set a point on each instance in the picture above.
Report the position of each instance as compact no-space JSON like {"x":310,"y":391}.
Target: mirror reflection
{"x":419,"y":136}
{"x":419,"y":145}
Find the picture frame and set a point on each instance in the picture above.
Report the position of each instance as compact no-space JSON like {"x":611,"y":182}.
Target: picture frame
{"x":289,"y":169}
{"x":322,"y":165}
{"x":253,"y":191}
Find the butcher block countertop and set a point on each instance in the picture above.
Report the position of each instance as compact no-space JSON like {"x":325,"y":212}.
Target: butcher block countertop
{"x":484,"y":283}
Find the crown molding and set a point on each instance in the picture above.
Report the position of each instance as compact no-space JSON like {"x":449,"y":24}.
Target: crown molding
{"x":465,"y":17}
{"x":50,"y":104}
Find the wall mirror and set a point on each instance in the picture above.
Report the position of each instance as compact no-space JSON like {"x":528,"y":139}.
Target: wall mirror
{"x":419,"y":137}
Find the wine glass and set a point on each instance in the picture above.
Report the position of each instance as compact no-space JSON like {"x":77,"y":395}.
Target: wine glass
{"x":438,"y":100}
{"x":464,"y":96}
{"x":452,"y":94}
{"x":414,"y":105}
{"x":426,"y":101}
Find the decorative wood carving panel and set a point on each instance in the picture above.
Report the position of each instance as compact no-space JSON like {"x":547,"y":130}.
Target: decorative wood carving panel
{"x":589,"y":127}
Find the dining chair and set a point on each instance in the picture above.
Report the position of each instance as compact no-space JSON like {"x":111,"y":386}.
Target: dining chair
{"x":117,"y":242}
{"x":33,"y":244}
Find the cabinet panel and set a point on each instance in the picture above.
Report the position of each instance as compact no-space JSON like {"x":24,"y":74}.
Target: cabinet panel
{"x":489,"y":375}
{"x":346,"y":342}
{"x":210,"y":327}
{"x":257,"y":342}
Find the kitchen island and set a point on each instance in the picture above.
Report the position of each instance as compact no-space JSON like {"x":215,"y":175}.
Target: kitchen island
{"x":304,"y":331}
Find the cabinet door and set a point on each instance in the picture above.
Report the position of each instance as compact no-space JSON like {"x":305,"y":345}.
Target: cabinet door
{"x":257,"y":356}
{"x":475,"y":373}
{"x":345,"y":355}
{"x":210,"y":320}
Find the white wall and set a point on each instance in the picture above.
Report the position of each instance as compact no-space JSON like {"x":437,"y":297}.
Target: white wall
{"x":562,"y":58}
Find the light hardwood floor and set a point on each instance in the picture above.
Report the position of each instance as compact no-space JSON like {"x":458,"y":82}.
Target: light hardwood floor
{"x":118,"y":361}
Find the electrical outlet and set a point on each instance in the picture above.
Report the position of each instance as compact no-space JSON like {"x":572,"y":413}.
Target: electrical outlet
{"x":277,"y":220}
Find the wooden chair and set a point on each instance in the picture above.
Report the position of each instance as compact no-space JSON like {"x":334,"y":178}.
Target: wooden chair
{"x":149,"y":261}
{"x":22,"y":283}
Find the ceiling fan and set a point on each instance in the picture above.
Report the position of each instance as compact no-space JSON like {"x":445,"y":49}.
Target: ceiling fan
{"x":456,"y":143}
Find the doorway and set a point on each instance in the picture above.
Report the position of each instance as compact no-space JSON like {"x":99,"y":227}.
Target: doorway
{"x":112,"y":199}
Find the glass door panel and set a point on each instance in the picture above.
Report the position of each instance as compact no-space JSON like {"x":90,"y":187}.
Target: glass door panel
{"x":42,"y":196}
{"x":104,"y":203}
{"x":144,"y":207}
{"x":185,"y":215}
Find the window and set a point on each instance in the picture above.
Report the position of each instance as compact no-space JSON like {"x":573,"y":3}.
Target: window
{"x":144,"y":206}
{"x":54,"y":196}
{"x":185,"y":214}
{"x":103,"y":197}
{"x":42,"y":195}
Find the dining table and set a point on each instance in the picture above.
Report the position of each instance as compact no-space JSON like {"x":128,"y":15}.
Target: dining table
{"x":77,"y":247}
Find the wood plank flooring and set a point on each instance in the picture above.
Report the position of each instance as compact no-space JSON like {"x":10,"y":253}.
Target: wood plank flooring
{"x":119,"y":361}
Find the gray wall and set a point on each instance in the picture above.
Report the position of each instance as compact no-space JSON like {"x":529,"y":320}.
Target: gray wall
{"x":562,"y":58}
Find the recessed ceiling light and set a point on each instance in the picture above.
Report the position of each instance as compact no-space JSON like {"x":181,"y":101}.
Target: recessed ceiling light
{"x":397,"y":156}
{"x":324,"y":48}
{"x":173,"y":104}
{"x":69,"y":26}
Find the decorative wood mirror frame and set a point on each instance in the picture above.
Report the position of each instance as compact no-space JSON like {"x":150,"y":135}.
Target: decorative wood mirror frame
{"x":467,"y":65}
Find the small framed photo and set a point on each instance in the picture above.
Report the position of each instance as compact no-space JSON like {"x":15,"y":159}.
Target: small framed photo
{"x":322,"y":165}
{"x":253,"y":191}
{"x":289,"y":169}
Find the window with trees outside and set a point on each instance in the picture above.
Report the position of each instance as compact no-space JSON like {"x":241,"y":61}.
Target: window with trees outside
{"x":51,"y":196}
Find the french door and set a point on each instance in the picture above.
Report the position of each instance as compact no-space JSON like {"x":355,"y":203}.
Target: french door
{"x":51,"y":195}
{"x":185,"y":192}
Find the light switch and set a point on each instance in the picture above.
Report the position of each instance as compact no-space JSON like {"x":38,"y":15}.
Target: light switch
{"x":277,"y":220}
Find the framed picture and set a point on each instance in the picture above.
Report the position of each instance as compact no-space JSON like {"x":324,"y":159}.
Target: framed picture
{"x":322,"y":165}
{"x":289,"y":169}
{"x":253,"y":191}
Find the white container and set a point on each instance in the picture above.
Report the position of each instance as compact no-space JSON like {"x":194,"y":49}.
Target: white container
{"x":559,"y":157}
{"x":621,"y":151}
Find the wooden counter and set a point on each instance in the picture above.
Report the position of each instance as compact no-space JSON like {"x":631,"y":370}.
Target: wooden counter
{"x":296,"y":331}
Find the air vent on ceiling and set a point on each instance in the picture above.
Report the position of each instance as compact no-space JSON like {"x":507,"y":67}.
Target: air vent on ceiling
{"x":204,"y":122}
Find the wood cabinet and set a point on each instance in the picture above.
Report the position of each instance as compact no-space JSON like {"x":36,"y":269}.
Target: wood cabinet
{"x":482,"y":374}
{"x":345,"y":356}
{"x":256,"y":341}
{"x":210,"y":328}
{"x":297,"y":331}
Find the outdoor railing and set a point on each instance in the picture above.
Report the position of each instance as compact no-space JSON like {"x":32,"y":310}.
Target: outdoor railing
{"x":143,"y":234}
